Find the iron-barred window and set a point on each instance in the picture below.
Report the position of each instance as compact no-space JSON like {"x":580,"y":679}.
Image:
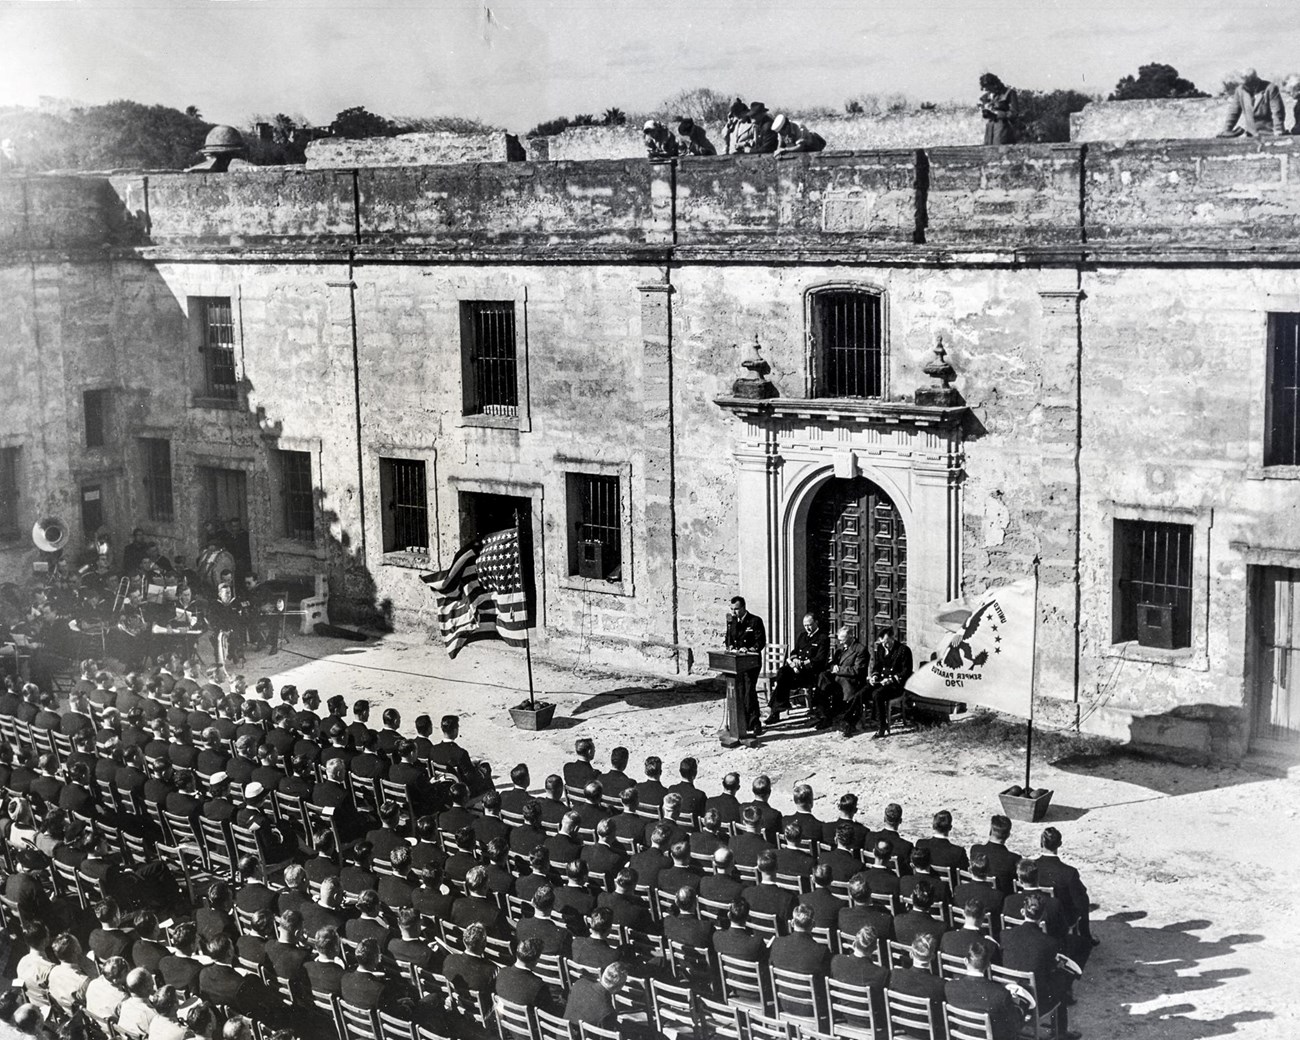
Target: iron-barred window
{"x":9,"y":524}
{"x":157,"y":453}
{"x":491,"y":367}
{"x":94,"y":409}
{"x":216,"y":321}
{"x":1282,"y":430}
{"x":297,"y":496}
{"x":406,"y":505}
{"x":596,"y":517}
{"x":1154,"y":571}
{"x":847,"y":344}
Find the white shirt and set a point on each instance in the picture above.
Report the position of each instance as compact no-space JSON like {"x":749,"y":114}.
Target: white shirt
{"x":103,"y":999}
{"x":135,"y":1017}
{"x":34,"y":973}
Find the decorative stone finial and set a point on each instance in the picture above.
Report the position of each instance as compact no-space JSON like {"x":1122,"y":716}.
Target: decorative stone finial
{"x":755,"y":385}
{"x":945,"y":395}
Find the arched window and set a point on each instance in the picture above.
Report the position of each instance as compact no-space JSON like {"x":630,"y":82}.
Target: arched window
{"x":848,"y":343}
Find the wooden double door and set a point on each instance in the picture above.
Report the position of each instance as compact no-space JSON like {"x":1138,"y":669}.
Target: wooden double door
{"x":1276,"y":702}
{"x":857,"y":560}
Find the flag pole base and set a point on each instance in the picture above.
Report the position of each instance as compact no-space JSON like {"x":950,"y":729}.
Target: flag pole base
{"x":538,"y":716}
{"x":1026,"y":806}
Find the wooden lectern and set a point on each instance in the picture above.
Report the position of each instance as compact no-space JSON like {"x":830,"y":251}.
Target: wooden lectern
{"x":740,"y":668}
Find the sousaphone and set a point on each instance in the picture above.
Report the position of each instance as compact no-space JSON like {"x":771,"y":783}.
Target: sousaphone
{"x":50,"y":535}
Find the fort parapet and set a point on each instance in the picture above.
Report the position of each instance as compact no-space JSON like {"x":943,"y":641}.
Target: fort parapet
{"x":1084,"y":198}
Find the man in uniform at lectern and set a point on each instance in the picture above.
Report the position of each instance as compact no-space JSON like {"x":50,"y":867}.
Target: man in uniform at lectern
{"x":745,"y":632}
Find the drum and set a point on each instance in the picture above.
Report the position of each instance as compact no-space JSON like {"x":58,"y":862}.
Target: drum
{"x":212,"y":561}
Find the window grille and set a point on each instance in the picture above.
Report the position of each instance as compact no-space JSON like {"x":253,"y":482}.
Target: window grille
{"x":218,"y":326}
{"x":599,"y":523}
{"x":407,"y":501}
{"x":94,"y":406}
{"x":298,"y":496}
{"x":848,"y":348}
{"x":492,"y":375}
{"x":9,"y":525}
{"x":1282,"y":437}
{"x":158,"y":478}
{"x":1155,"y":568}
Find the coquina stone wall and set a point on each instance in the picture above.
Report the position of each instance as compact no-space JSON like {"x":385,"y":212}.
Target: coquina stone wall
{"x":1105,"y":306}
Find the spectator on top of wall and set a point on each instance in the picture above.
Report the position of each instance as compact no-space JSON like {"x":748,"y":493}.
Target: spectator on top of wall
{"x":1291,"y":89}
{"x":692,"y":140}
{"x":1000,"y":108}
{"x":659,"y":142}
{"x":1254,"y":108}
{"x":737,"y":117}
{"x":791,"y":137}
{"x":756,"y":136}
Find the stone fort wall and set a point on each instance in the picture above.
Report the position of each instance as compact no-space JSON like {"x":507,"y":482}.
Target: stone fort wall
{"x":1103,"y":305}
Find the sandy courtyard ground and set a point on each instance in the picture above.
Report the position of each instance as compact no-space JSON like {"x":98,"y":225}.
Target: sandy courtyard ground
{"x":1192,"y":870}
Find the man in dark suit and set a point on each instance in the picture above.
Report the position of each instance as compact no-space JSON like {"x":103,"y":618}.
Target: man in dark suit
{"x":546,"y":925}
{"x":680,"y":923}
{"x":917,"y":921}
{"x":606,"y":857}
{"x":573,"y":900}
{"x":891,"y":665}
{"x":450,"y":757}
{"x":983,"y":997}
{"x":858,"y":968}
{"x":766,"y":897}
{"x":220,"y":983}
{"x":1028,"y":947}
{"x":627,"y":906}
{"x":615,"y":780}
{"x":748,"y":843}
{"x":1001,"y":860}
{"x":366,"y":986}
{"x":110,"y":939}
{"x":476,"y":907}
{"x":919,"y":981}
{"x":682,"y":873}
{"x":842,"y":860}
{"x":803,"y":665}
{"x":592,"y":1002}
{"x":692,"y":797}
{"x":470,"y":974}
{"x":799,"y":952}
{"x":860,"y":913}
{"x":982,"y":890}
{"x":596,"y":949}
{"x":823,"y":902}
{"x":838,"y":684}
{"x":726,"y":804}
{"x":579,"y":773}
{"x":1055,"y":921}
{"x":974,"y":926}
{"x":943,"y":853}
{"x":723,"y":885}
{"x":770,"y":821}
{"x":745,"y":633}
{"x":590,"y":807}
{"x":1068,"y":886}
{"x":512,"y":801}
{"x":650,"y":792}
{"x":518,"y":984}
{"x":794,"y":855}
{"x":649,"y":862}
{"x":287,"y":954}
{"x":921,"y":871}
{"x":737,"y":940}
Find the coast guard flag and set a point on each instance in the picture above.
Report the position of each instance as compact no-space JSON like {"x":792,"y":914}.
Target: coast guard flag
{"x":481,"y":595}
{"x":989,"y":660}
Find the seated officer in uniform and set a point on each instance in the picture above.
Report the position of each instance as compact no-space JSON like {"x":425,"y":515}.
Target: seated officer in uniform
{"x":804,"y":663}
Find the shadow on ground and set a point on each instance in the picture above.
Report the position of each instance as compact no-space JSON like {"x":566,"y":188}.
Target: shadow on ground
{"x":1141,"y":964}
{"x":1156,"y":774}
{"x":658,"y":696}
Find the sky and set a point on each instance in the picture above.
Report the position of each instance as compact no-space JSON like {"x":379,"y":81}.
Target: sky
{"x":538,"y":59}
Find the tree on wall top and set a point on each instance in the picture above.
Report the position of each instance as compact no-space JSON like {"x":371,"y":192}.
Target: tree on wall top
{"x":1155,"y":81}
{"x":358,"y":122}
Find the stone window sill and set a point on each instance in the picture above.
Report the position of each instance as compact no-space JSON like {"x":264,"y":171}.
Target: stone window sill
{"x":294,"y":547}
{"x":407,"y":560}
{"x":224,"y":404}
{"x":493,"y":422}
{"x":1257,"y":472}
{"x":602,"y":586}
{"x":1183,"y":657}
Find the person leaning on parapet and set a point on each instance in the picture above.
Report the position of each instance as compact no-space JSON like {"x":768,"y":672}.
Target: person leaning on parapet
{"x":1001,"y":111}
{"x":791,"y":137}
{"x":759,"y":140}
{"x":692,"y":140}
{"x":737,"y":125}
{"x":1291,"y":89}
{"x":659,"y":141}
{"x":1254,"y":108}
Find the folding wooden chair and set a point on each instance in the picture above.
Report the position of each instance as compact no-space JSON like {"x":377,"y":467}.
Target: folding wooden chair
{"x":851,"y":1010}
{"x":1025,"y":981}
{"x":766,"y":924}
{"x":718,"y":1018}
{"x":910,"y":1017}
{"x":967,"y":1025}
{"x":393,"y":1027}
{"x":744,"y":983}
{"x":754,"y":1026}
{"x":514,"y":1021}
{"x":692,"y":965}
{"x":800,"y":997}
{"x":219,"y":854}
{"x":246,"y":842}
{"x":288,"y":810}
{"x":553,"y":1027}
{"x":586,"y":1031}
{"x":672,"y":1007}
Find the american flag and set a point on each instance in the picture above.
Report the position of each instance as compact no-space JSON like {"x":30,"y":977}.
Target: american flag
{"x":481,"y":595}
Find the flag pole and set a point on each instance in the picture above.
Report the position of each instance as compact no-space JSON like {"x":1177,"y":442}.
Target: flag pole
{"x":528,"y":641}
{"x":1033,"y":681}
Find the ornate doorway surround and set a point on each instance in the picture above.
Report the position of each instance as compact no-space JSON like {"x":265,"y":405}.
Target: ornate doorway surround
{"x":790,"y":448}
